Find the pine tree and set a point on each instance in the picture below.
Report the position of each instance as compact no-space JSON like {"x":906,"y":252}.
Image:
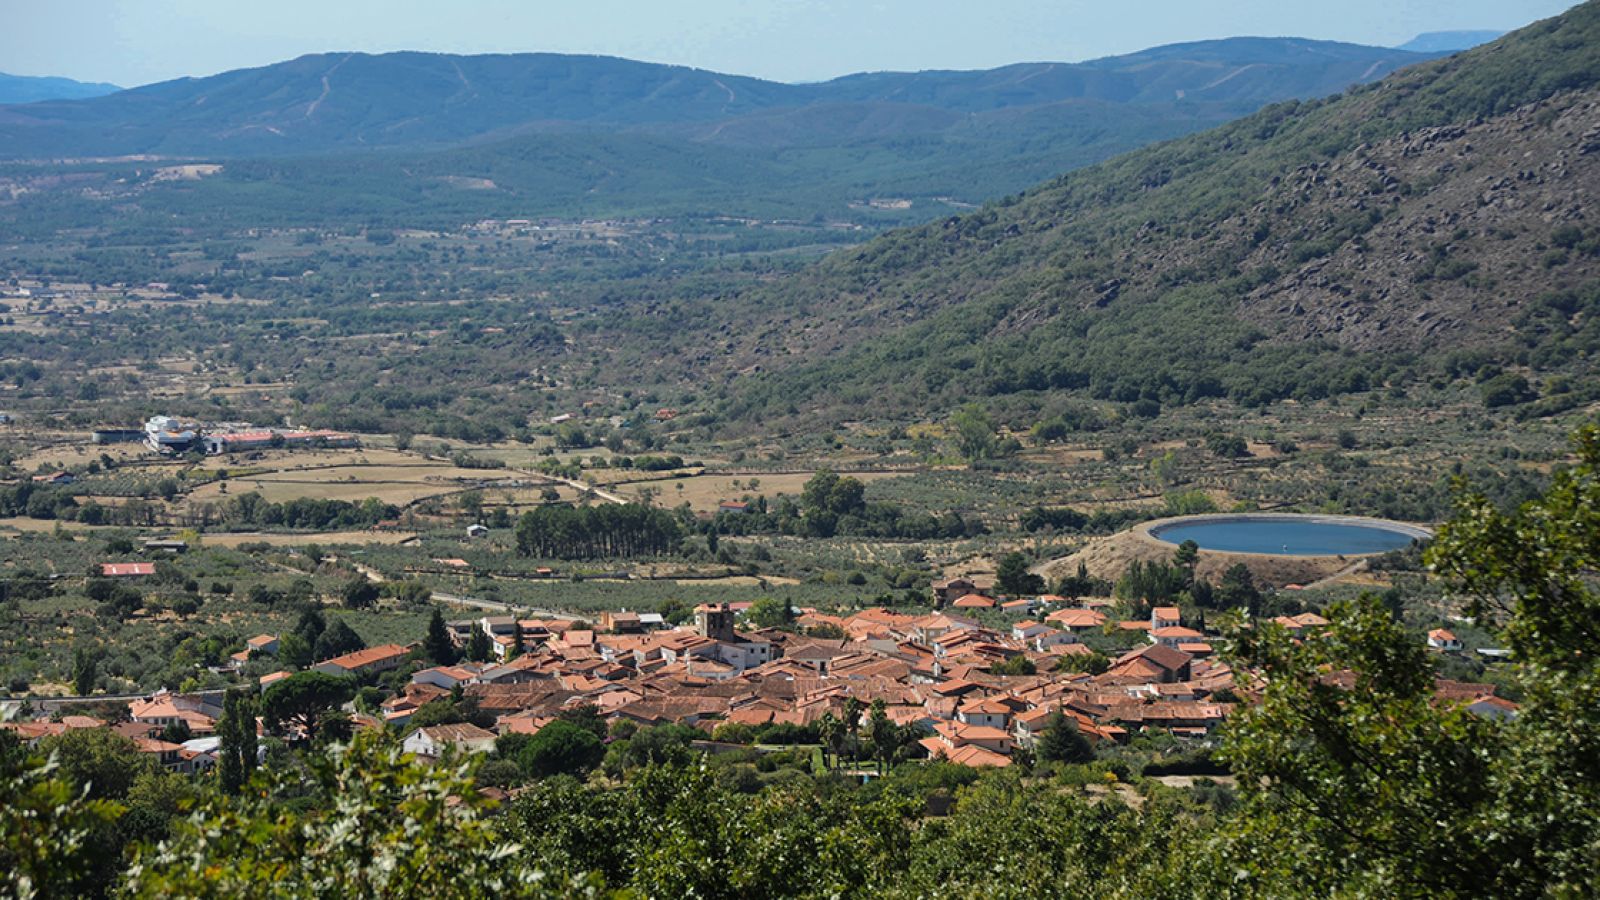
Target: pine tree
{"x":1062,"y":742}
{"x":336,"y":640}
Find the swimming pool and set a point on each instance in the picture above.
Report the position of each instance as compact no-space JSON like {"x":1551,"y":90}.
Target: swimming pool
{"x":1289,"y":535}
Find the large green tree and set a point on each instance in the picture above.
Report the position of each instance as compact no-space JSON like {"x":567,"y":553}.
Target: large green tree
{"x":303,"y":701}
{"x":561,"y":748}
{"x":1531,"y":573}
{"x":1012,"y":576}
{"x":1061,"y":741}
{"x":337,"y":640}
{"x":384,"y":828}
{"x":974,"y":432}
{"x":51,"y":831}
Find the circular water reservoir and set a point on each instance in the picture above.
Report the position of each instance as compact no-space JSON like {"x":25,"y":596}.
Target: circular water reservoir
{"x":1289,"y":535}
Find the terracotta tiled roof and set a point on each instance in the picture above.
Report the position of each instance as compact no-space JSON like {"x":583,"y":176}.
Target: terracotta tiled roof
{"x":363,"y":658}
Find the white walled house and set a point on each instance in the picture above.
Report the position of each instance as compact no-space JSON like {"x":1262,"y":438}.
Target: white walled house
{"x":435,"y":740}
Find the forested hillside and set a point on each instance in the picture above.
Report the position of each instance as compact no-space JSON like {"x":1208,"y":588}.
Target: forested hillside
{"x":1433,"y":224}
{"x":465,"y":137}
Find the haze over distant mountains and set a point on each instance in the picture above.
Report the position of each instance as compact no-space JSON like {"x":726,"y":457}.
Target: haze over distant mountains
{"x":352,"y":101}
{"x":1448,"y":41}
{"x":31,"y":88}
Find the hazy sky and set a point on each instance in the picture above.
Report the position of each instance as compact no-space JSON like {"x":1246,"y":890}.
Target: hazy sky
{"x":131,"y":42}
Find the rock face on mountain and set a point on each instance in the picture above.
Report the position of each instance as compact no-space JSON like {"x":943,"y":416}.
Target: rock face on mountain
{"x":1475,"y":220}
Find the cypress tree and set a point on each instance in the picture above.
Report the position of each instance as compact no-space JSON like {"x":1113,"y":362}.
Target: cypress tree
{"x":237,"y":728}
{"x":438,"y":645}
{"x":478,"y":648}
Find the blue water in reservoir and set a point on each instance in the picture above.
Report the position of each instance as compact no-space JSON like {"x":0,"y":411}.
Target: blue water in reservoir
{"x":1288,"y":537}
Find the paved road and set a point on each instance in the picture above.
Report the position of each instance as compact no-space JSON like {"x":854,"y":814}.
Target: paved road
{"x":52,"y":703}
{"x":478,"y":603}
{"x":375,"y":576}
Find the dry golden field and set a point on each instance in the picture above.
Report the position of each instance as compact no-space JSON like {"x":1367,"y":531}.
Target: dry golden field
{"x":704,"y":492}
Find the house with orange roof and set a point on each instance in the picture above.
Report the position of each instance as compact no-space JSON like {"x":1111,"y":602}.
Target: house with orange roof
{"x":1031,"y":724}
{"x":992,"y":712}
{"x":127,"y":570}
{"x":1052,"y":640}
{"x":951,"y":589}
{"x":168,"y":754}
{"x":970,"y":755}
{"x":1027,"y":628}
{"x":163,"y":708}
{"x":30,"y":733}
{"x":1444,"y":640}
{"x":1156,"y":662}
{"x":1173,"y":635}
{"x":621,"y":622}
{"x":1492,"y":707}
{"x":1299,"y":625}
{"x":522,"y":723}
{"x":524,"y":669}
{"x":973,"y":601}
{"x":927,"y":629}
{"x":1165,"y":617}
{"x":956,"y":735}
{"x":1028,"y":725}
{"x":1077,"y":619}
{"x":434,"y":741}
{"x":370,"y":661}
{"x":445,"y":677}
{"x":577,"y":639}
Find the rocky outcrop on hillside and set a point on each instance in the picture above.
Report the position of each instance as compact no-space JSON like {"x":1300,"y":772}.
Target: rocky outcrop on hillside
{"x":1472,"y":221}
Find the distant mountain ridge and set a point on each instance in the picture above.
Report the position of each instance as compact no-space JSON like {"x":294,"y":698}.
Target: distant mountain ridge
{"x":352,"y":101}
{"x":34,"y":88}
{"x":1449,"y":41}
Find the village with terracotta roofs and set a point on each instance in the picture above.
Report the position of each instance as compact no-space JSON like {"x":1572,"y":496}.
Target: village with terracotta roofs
{"x":959,"y":690}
